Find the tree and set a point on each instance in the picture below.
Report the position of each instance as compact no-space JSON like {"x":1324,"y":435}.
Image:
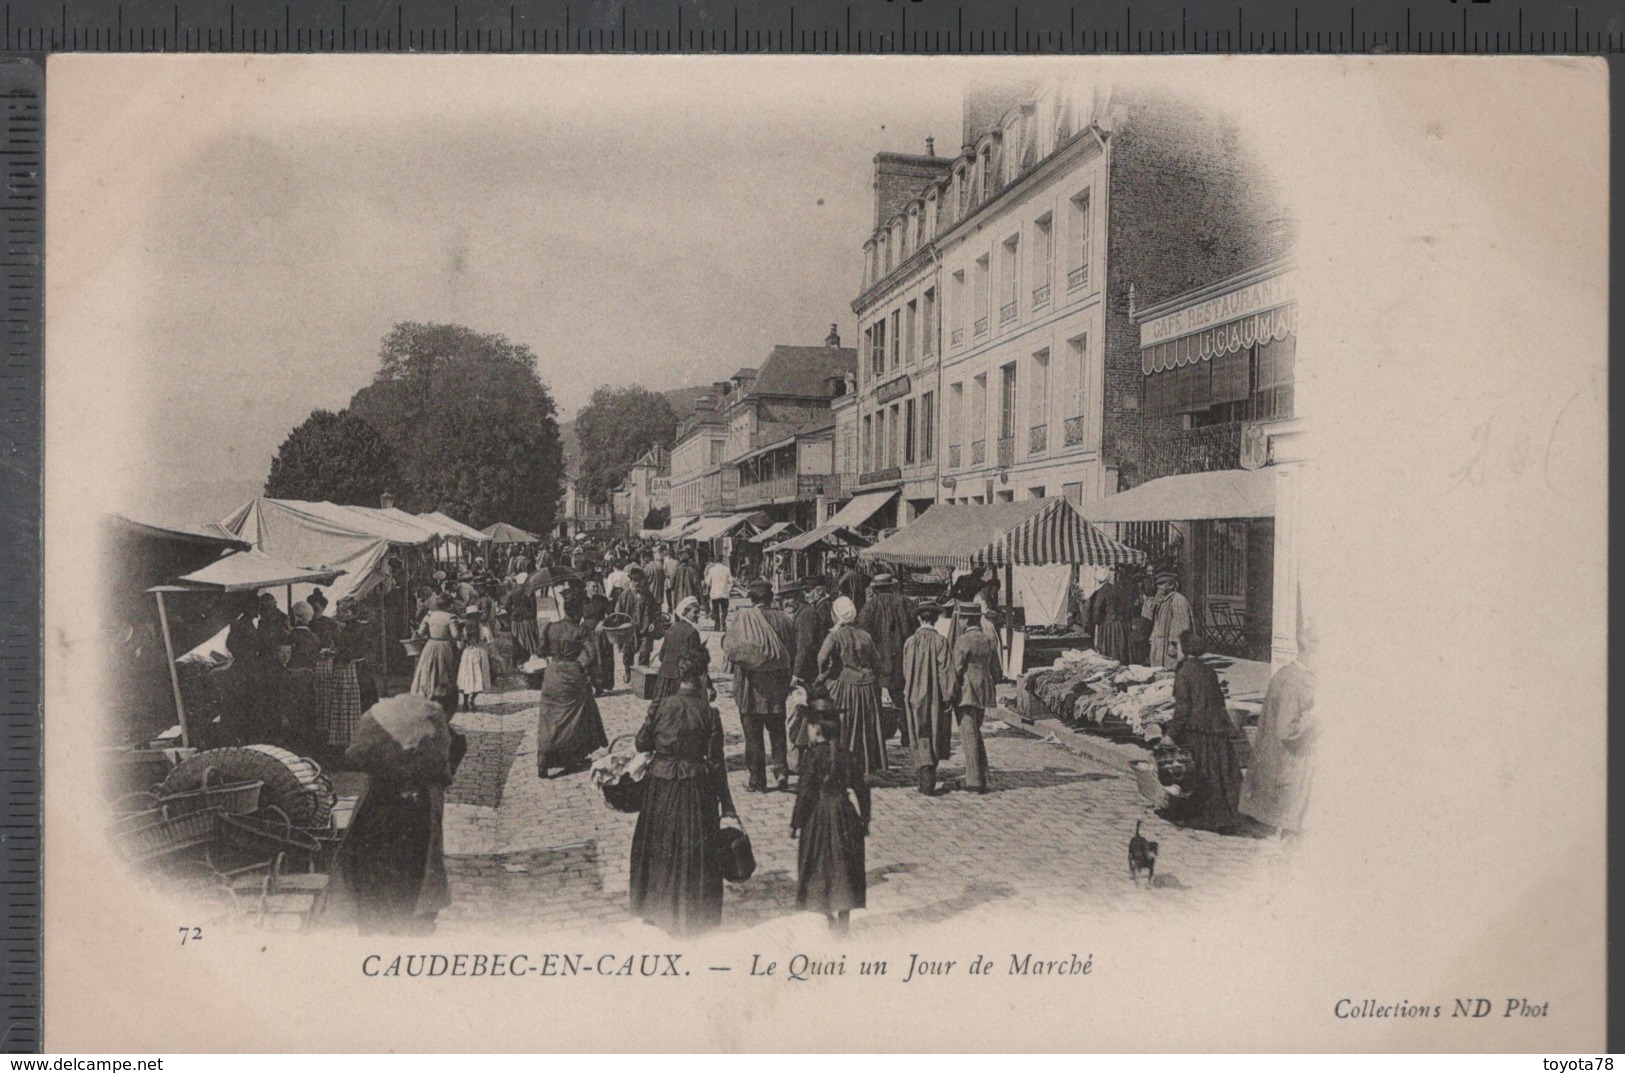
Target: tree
{"x":475,"y":430}
{"x":616,"y":429}
{"x":657,"y":518}
{"x":336,"y":457}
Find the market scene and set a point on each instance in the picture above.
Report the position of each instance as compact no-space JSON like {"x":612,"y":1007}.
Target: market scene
{"x":1000,"y":606}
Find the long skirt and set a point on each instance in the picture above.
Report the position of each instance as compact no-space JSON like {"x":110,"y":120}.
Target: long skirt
{"x":437,"y":666}
{"x":604,"y":657}
{"x":569,"y":728}
{"x":860,"y":721}
{"x":339,"y":687}
{"x":526,"y":640}
{"x":474,"y":672}
{"x":1111,"y":641}
{"x":672,"y":884}
{"x":394,"y":858}
{"x":1213,"y":788}
{"x":829,"y":861}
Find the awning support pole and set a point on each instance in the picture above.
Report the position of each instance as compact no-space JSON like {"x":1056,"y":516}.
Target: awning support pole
{"x":174,"y":675}
{"x":1009,"y":618}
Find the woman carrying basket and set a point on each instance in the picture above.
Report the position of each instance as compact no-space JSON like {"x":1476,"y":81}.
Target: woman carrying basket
{"x":679,"y":827}
{"x":849,"y":667}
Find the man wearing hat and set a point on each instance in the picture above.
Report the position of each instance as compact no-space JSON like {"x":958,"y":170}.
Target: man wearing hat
{"x":1170,"y":616}
{"x":813,"y":623}
{"x":761,"y":690}
{"x":636,"y":604}
{"x":889,"y":619}
{"x":928,"y":686}
{"x":978,"y":669}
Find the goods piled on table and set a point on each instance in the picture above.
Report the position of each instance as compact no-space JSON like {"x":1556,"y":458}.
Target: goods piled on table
{"x":1097,"y":694}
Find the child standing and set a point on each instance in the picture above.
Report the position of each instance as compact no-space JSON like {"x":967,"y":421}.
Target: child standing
{"x":831,"y":828}
{"x":474,"y":671}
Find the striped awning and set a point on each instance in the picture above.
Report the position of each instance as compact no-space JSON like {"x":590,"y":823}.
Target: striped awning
{"x":1032,"y":532}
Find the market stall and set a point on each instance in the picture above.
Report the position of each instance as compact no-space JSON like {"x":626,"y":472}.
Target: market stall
{"x":1031,"y":532}
{"x":806,"y":553}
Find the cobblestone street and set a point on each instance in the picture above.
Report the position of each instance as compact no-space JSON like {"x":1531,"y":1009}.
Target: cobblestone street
{"x":1053,"y":832}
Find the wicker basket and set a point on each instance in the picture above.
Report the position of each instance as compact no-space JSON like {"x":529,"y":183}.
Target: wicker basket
{"x":149,"y":835}
{"x":270,"y":837}
{"x":624,"y":792}
{"x":293,"y":783}
{"x":619,"y":628}
{"x":232,"y":798}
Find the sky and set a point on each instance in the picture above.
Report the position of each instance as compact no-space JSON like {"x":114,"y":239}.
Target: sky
{"x":271,"y":219}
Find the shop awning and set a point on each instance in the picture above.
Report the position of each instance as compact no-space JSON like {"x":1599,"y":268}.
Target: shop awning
{"x":677,"y":528}
{"x":833,"y":535}
{"x":248,"y":571}
{"x":446,"y":525}
{"x":716,"y":528}
{"x":1225,"y":493}
{"x":1032,"y":532}
{"x":776,"y":531}
{"x":861,"y":509}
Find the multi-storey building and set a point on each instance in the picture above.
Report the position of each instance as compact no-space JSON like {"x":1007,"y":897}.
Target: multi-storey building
{"x":646,"y":488}
{"x":1000,"y":359}
{"x":580,"y":513}
{"x":696,"y":460}
{"x":781,"y":431}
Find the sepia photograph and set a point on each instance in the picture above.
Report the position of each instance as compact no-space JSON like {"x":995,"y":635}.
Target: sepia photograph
{"x":849,"y":533}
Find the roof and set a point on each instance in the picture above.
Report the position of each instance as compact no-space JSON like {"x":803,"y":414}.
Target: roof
{"x":249,"y":571}
{"x":656,"y":456}
{"x":1225,"y":493}
{"x":861,"y":508}
{"x":801,"y":370}
{"x":1031,"y":532}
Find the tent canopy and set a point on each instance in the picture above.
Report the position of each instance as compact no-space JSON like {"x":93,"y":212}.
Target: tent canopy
{"x":249,"y":571}
{"x":355,"y":540}
{"x":677,"y":528}
{"x":834,"y":536}
{"x":1225,"y":493}
{"x":778,"y":530}
{"x":861,"y":509}
{"x":446,"y":525}
{"x":1032,"y":532}
{"x":715,"y":528}
{"x":503,"y":533}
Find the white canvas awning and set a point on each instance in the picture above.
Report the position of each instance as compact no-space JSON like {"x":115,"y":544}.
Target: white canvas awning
{"x":1186,"y":497}
{"x":715,"y":528}
{"x":860,"y":509}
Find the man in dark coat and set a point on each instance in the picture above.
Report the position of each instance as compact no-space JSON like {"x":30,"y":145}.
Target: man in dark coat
{"x":686,"y":582}
{"x":855,"y":584}
{"x":889,"y":619}
{"x":977,"y":671}
{"x":813,"y":623}
{"x":636,"y":604}
{"x":928,"y":683}
{"x":761,"y":696}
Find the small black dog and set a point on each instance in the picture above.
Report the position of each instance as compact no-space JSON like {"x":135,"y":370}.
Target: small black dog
{"x":1142,"y":856}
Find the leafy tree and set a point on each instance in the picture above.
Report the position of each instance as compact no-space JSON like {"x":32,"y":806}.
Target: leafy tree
{"x":337,"y":457}
{"x":615,"y":429}
{"x":475,"y":430}
{"x":657,"y":518}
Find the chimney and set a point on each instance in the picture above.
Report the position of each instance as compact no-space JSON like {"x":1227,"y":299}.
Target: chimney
{"x":834,"y":337}
{"x":930,"y":146}
{"x":386,"y":500}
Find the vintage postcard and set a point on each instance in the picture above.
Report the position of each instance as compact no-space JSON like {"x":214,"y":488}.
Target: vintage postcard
{"x":825,"y":554}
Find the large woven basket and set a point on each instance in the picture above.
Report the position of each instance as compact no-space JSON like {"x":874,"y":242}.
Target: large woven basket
{"x":292,"y":783}
{"x":153,"y":834}
{"x":232,"y":798}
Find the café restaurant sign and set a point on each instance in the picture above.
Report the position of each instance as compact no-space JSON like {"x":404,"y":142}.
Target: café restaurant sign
{"x":892,"y":389}
{"x":1242,"y":302}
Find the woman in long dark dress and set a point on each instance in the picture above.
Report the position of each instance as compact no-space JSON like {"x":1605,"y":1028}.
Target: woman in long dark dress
{"x":394,"y":854}
{"x":682,"y":644}
{"x":1112,"y":610}
{"x":594,"y":609}
{"x":1212,"y":789}
{"x":673,"y":883}
{"x":569,"y":728}
{"x":849,"y":668}
{"x":829,"y":861}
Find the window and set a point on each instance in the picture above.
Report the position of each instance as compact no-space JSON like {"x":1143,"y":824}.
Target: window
{"x":928,"y":426}
{"x":918,"y":219}
{"x":1073,"y":493}
{"x":956,"y":406}
{"x":979,"y":297}
{"x":1043,"y":257}
{"x":886,"y":246}
{"x":911,"y":327}
{"x":1080,"y":373}
{"x":877,"y":349}
{"x":716,"y":452}
{"x":961,"y":307}
{"x":928,"y":325}
{"x":986,"y":173}
{"x":978,"y":408}
{"x":908,"y":431}
{"x":1036,"y":492}
{"x":1010,"y":278}
{"x":1077,"y":262}
{"x":895,"y":434}
{"x":896,"y":337}
{"x":1007,"y":401}
{"x":868,"y":441}
{"x":962,"y":188}
{"x":1038,"y":401}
